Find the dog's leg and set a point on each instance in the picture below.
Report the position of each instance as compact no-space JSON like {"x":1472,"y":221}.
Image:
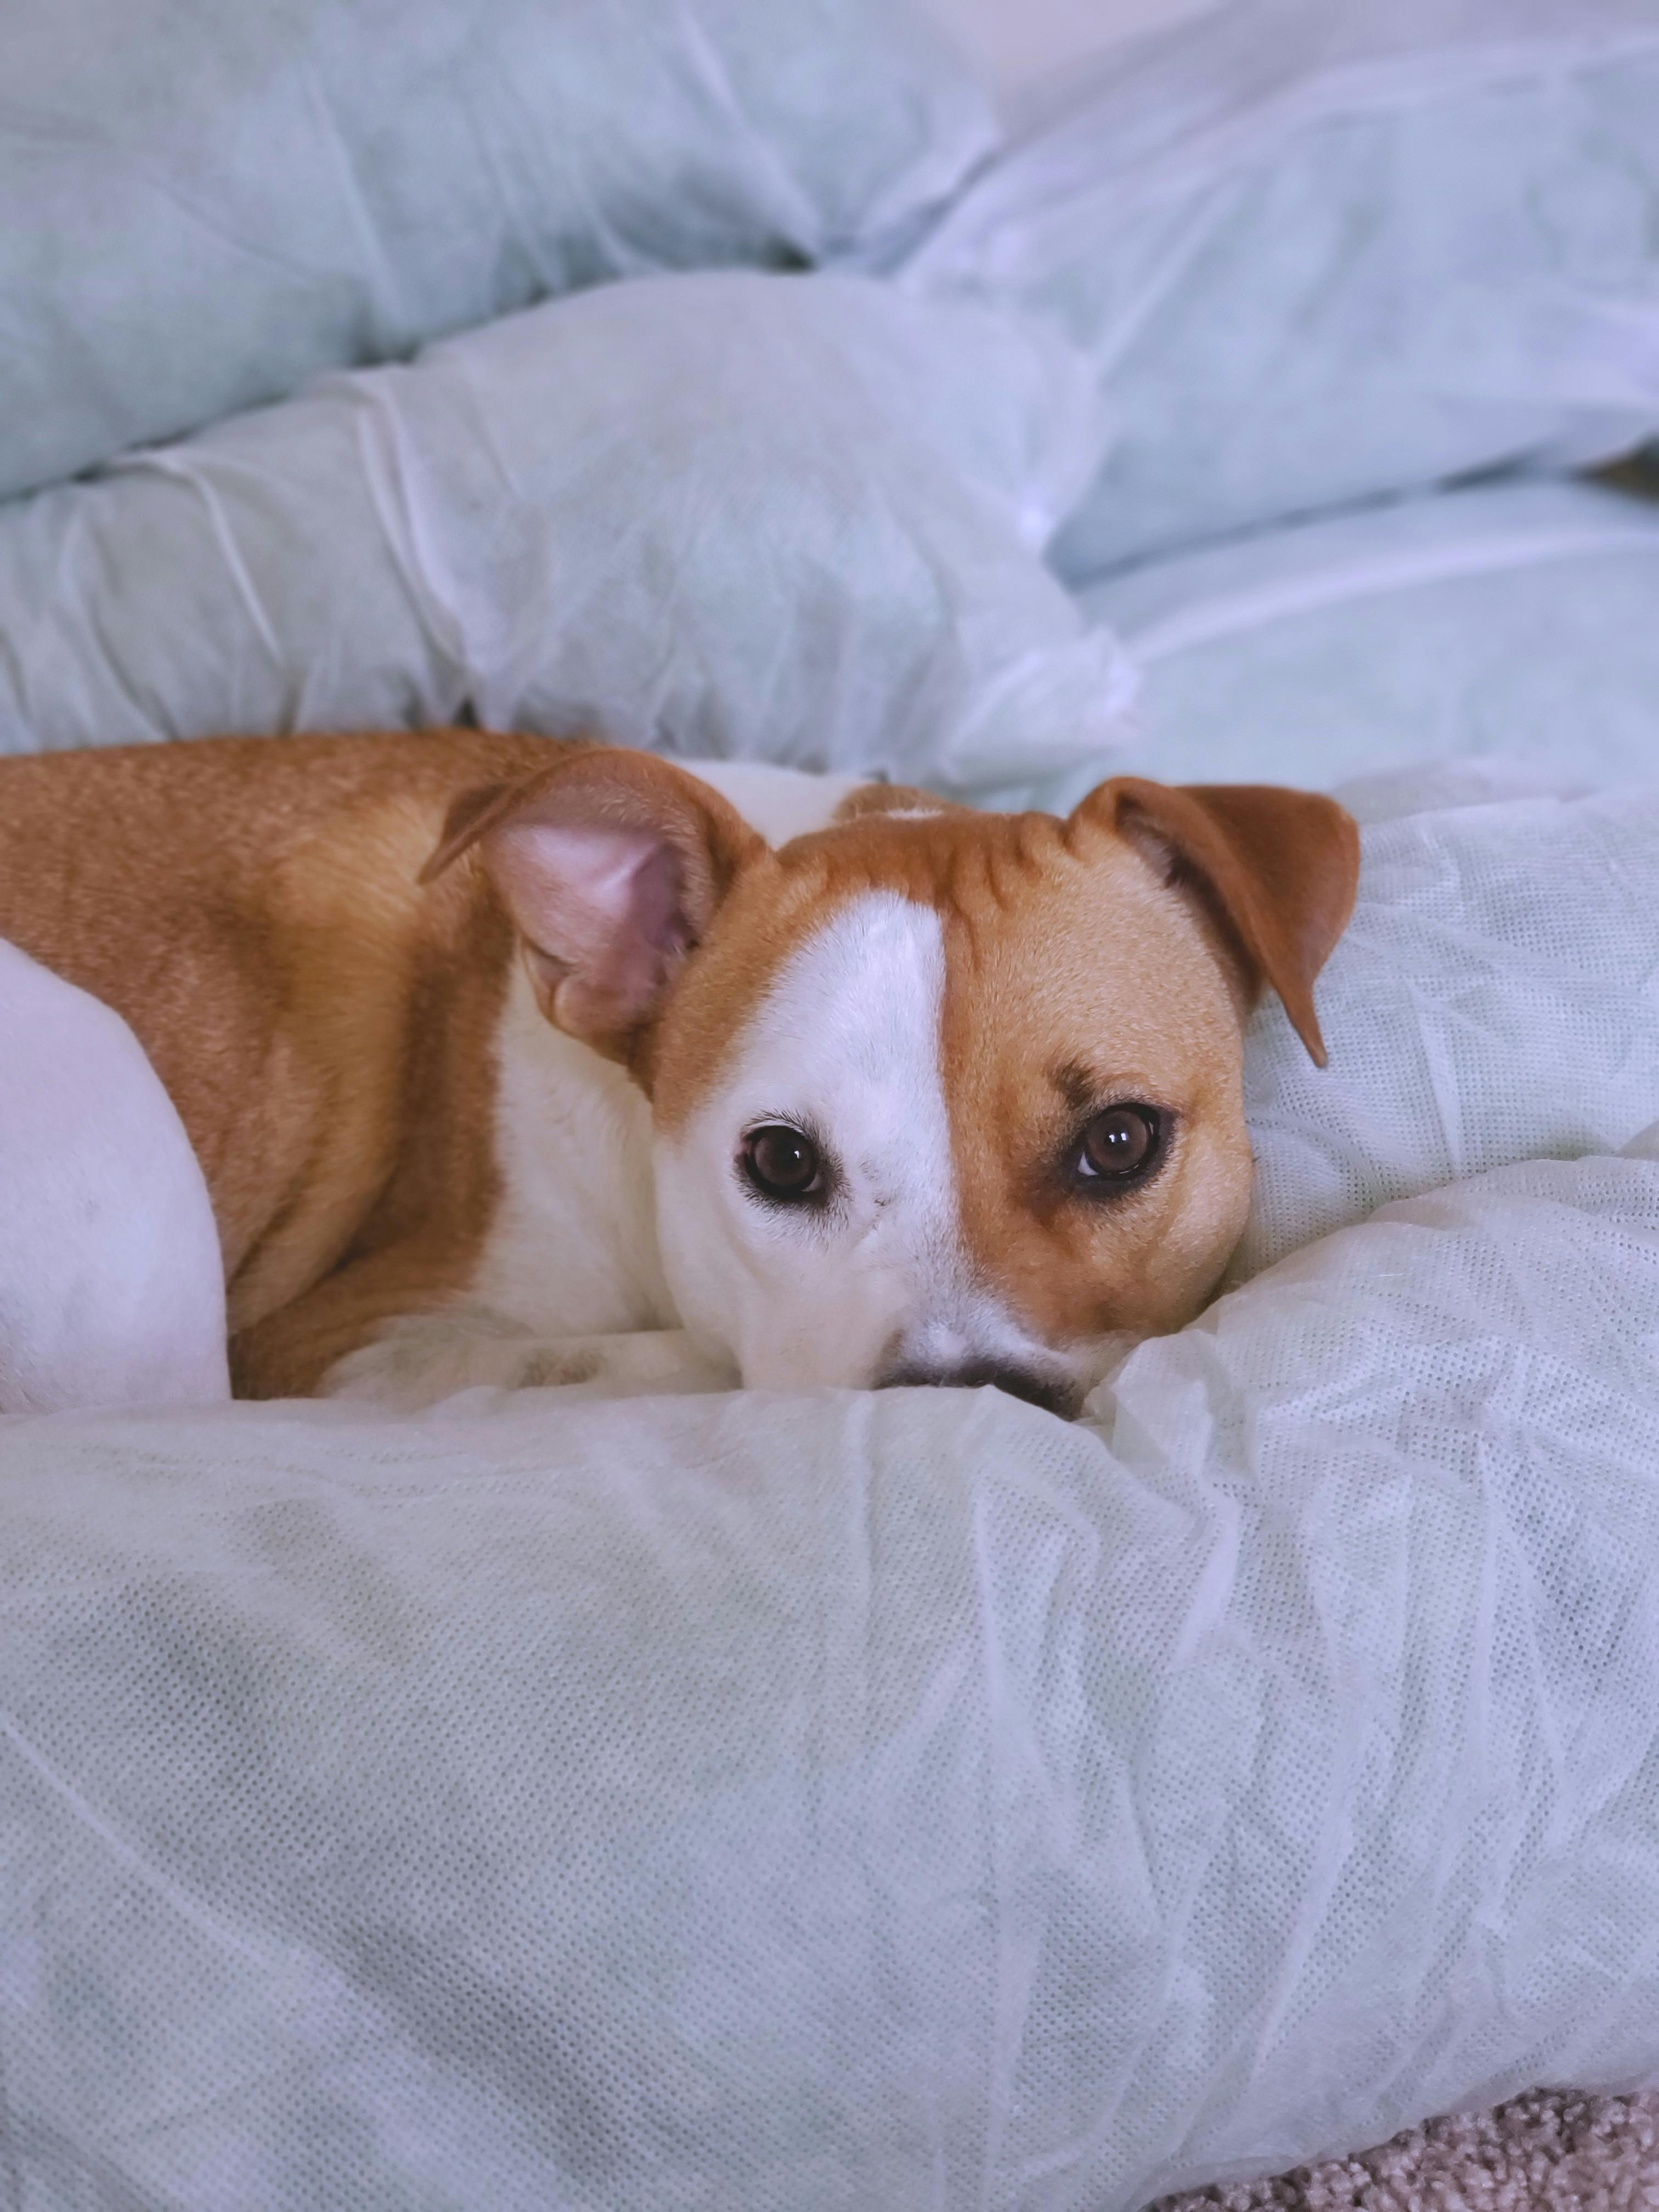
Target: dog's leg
{"x":355,"y":1336}
{"x":111,"y":1283}
{"x":422,"y":1357}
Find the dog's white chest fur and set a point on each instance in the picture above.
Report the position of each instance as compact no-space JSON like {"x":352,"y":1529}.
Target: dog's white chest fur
{"x":574,"y":1246}
{"x":572,"y":1251}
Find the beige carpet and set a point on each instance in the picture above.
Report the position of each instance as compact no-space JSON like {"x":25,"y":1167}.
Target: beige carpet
{"x":1548,"y":2152}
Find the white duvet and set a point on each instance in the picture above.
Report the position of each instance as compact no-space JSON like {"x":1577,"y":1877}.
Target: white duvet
{"x":908,"y":1800}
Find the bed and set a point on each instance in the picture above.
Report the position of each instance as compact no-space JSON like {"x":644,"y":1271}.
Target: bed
{"x":906,"y":1799}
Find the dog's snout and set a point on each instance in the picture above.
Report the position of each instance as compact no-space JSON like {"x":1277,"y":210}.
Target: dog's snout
{"x":1052,"y":1394}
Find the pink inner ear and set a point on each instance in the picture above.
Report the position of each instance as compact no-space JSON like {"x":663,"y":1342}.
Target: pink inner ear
{"x":603,"y":905}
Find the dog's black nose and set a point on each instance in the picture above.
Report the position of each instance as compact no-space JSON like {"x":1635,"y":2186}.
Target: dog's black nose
{"x":1053,"y":1395}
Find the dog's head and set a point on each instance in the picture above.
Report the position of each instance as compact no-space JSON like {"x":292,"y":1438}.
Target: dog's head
{"x":939,"y":1096}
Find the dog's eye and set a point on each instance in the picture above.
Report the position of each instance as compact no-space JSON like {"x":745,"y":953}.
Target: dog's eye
{"x":782,"y":1162}
{"x":1119,"y":1145}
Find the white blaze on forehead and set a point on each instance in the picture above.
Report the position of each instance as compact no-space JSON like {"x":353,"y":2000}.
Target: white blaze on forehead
{"x":850,"y":1036}
{"x":845,"y":1045}
{"x":854,"y":1019}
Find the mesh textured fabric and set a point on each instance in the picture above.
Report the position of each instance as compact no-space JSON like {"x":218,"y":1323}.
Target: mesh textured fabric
{"x":778,"y":517}
{"x":855,"y":1800}
{"x":1496,"y":998}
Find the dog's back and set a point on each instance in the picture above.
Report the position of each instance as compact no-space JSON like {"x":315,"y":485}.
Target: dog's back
{"x":251,"y":909}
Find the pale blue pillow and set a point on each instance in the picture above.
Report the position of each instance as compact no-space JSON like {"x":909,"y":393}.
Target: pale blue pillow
{"x":1511,"y":622}
{"x":201,"y":204}
{"x":795,"y":518}
{"x":1322,"y":250}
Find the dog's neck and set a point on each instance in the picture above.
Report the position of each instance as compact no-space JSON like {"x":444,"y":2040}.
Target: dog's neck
{"x":570,"y":1253}
{"x":577,"y":1254}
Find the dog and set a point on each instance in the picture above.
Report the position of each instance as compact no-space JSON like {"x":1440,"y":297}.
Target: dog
{"x":511,"y":1061}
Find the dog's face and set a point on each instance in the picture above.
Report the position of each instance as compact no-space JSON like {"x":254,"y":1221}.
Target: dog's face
{"x":938,"y":1097}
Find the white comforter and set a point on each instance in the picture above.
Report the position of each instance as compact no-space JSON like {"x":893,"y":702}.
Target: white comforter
{"x":910,"y":1800}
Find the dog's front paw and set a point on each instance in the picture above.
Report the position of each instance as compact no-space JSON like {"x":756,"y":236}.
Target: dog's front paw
{"x":422,"y":1358}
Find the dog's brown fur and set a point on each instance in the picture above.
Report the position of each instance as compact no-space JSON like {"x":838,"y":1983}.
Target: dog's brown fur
{"x":325,"y":1026}
{"x":312,"y":940}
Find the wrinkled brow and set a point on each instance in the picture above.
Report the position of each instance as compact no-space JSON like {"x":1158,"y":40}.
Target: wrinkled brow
{"x":1075,"y":1084}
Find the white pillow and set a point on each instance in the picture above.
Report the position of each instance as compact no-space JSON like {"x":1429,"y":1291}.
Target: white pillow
{"x":782,"y":517}
{"x":1029,"y":53}
{"x":201,"y":204}
{"x":1512,"y":621}
{"x":1320,"y":250}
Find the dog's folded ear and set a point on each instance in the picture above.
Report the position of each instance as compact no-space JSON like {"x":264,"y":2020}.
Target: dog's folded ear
{"x":1276,"y":870}
{"x":611,"y":865}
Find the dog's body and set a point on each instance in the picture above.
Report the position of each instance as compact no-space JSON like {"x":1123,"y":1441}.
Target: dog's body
{"x":542,"y":1110}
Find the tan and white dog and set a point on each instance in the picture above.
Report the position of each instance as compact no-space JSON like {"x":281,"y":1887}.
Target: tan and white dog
{"x":509,"y":1061}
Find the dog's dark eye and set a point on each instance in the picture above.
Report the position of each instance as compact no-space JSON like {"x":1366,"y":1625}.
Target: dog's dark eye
{"x":782,"y":1162}
{"x":1119,"y":1145}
